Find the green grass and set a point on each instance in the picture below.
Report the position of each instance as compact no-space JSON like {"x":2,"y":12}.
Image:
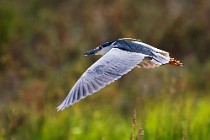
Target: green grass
{"x":163,"y":119}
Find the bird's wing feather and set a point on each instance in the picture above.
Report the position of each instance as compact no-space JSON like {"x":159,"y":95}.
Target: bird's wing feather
{"x":107,"y":69}
{"x":147,"y":63}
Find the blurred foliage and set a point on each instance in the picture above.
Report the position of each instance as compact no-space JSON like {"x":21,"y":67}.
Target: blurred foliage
{"x":41,"y":47}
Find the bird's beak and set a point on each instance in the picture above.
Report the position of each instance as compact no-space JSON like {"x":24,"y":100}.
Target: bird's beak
{"x":91,"y":52}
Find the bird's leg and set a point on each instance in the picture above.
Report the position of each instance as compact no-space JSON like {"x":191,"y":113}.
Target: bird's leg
{"x":175,"y":62}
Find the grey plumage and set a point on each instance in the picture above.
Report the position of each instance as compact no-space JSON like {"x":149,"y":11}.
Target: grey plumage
{"x":120,"y":57}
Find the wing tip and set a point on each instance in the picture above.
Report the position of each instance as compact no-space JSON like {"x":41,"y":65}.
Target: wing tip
{"x":61,"y":107}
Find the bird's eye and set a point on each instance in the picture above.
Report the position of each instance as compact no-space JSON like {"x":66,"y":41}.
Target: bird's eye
{"x":100,"y":47}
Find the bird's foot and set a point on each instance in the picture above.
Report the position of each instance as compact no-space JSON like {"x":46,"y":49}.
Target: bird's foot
{"x":175,"y":62}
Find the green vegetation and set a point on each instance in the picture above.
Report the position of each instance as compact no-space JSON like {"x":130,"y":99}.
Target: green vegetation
{"x":41,"y":47}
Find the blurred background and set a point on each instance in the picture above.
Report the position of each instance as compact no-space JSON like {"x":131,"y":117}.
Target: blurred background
{"x":41,"y":57}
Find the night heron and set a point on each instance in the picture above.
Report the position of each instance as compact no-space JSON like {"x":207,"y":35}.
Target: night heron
{"x":120,"y":57}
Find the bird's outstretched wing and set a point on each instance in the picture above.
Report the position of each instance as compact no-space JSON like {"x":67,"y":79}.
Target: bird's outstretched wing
{"x":107,"y":69}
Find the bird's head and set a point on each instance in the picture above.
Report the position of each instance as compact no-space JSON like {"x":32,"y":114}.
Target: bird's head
{"x":101,"y":50}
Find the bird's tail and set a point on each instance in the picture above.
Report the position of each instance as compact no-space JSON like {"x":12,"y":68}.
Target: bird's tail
{"x":175,"y":62}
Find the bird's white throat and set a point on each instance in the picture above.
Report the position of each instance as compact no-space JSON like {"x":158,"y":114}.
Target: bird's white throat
{"x":104,"y":50}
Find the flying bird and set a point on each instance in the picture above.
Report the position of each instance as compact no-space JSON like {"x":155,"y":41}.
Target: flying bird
{"x":119,"y":57}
